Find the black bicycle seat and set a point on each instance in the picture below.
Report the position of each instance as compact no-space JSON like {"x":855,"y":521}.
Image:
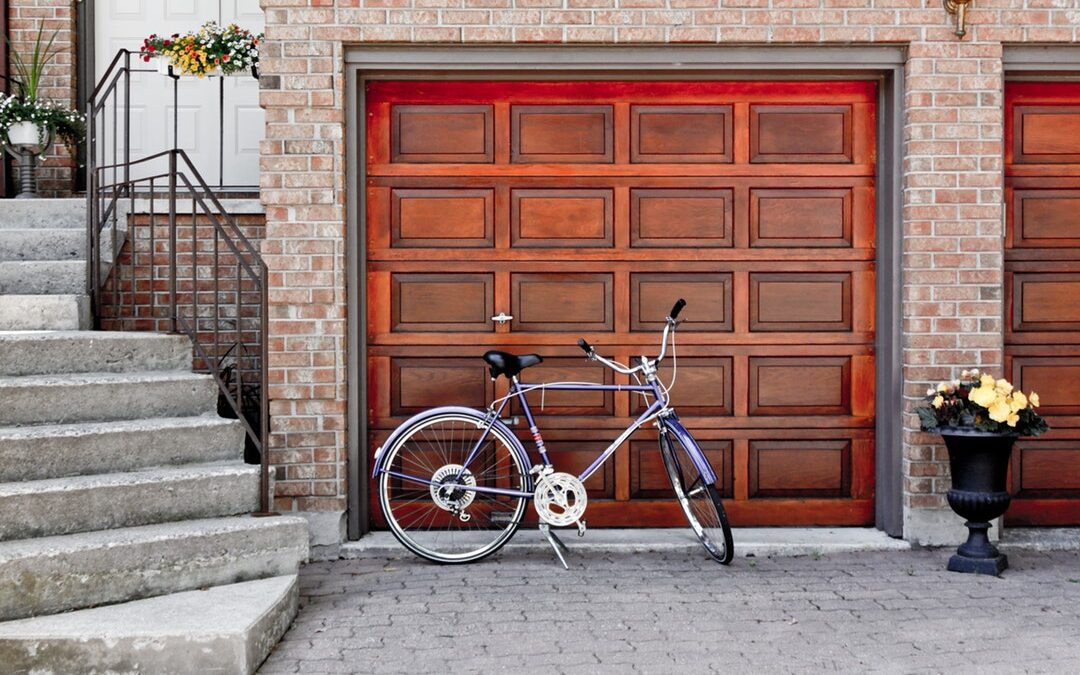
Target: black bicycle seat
{"x":502,"y":363}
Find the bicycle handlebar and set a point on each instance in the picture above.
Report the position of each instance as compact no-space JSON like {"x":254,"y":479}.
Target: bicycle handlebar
{"x":676,"y":308}
{"x":669,"y":324}
{"x":585,"y":346}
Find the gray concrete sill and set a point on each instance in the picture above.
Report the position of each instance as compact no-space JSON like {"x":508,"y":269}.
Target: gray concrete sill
{"x":749,"y":542}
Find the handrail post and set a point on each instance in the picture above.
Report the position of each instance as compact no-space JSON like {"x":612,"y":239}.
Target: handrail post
{"x":92,"y":270}
{"x":172,"y":243}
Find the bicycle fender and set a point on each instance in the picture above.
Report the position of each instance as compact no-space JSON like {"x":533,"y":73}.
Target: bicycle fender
{"x":704,"y":468}
{"x":376,"y":468}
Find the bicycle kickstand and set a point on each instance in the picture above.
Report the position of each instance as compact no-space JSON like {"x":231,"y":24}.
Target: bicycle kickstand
{"x":556,"y":544}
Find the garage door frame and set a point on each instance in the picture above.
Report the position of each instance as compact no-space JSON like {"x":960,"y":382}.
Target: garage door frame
{"x":883,"y":64}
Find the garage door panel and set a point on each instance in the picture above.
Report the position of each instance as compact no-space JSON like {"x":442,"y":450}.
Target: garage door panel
{"x":561,"y":218}
{"x":562,"y":134}
{"x":1055,"y":378}
{"x":570,"y":402}
{"x":649,"y":479}
{"x":442,"y":218}
{"x":710,"y":296}
{"x":804,"y":217}
{"x":1045,"y":218}
{"x":1047,"y":468}
{"x":442,"y":302}
{"x":586,"y":209}
{"x":462,"y":134}
{"x":1046,"y":134}
{"x":576,"y":456}
{"x":681,"y":134}
{"x":799,"y":386}
{"x":557,"y":302}
{"x":800,"y":468}
{"x":803,"y":134}
{"x":688,"y":217}
{"x":1046,"y":302}
{"x":416,"y":384}
{"x":800,"y":302}
{"x":703,"y":386}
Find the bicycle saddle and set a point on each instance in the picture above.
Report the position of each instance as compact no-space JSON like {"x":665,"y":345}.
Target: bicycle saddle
{"x":502,"y":363}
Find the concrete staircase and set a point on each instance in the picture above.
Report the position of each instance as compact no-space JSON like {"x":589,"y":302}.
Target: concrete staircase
{"x":126,"y":540}
{"x":43,"y":265}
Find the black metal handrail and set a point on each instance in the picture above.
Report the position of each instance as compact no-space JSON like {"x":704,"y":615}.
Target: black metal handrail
{"x":209,"y":284}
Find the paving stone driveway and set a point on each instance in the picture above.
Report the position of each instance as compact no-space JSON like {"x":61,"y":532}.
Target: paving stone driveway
{"x":668,"y":613}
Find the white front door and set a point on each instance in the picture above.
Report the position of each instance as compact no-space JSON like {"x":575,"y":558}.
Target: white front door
{"x":230,"y":159}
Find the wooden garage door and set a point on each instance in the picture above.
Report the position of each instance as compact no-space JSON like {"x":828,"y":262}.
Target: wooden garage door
{"x":1042,"y":282}
{"x":586,"y":209}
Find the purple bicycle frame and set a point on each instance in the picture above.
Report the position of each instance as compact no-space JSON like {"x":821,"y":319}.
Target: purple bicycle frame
{"x":670,"y":424}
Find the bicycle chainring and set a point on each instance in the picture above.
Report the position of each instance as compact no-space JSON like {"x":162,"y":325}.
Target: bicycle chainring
{"x":560,"y":499}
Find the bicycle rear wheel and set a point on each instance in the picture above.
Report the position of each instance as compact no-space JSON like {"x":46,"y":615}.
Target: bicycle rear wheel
{"x":445,"y":524}
{"x":698,"y":498}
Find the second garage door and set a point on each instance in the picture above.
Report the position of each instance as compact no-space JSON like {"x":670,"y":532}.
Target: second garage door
{"x":586,"y":209}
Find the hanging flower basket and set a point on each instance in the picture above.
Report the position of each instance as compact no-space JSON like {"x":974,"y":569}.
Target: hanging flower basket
{"x":210,"y":51}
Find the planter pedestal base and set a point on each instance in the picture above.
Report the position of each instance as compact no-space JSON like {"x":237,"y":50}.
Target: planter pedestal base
{"x":977,"y":555}
{"x":979,"y":464}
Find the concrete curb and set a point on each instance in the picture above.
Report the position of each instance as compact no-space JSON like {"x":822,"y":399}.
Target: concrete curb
{"x":749,"y":542}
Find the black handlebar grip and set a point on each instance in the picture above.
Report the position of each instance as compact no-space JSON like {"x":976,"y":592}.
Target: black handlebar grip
{"x":585,"y":346}
{"x":678,"y":307}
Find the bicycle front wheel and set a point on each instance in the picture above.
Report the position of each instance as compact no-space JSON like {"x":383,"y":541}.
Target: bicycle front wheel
{"x":698,"y":498}
{"x":452,"y":524}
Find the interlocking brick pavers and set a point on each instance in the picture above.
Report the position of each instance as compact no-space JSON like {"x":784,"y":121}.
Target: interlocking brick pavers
{"x":665,"y":613}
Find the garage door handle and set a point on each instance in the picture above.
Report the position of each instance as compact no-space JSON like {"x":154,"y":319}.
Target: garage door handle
{"x":501,"y":318}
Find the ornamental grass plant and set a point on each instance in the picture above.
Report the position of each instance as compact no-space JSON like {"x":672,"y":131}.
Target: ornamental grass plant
{"x":228,"y":49}
{"x":25,"y":105}
{"x":979,"y":402}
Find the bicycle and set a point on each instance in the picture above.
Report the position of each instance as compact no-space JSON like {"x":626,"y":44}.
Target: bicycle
{"x":453,"y":482}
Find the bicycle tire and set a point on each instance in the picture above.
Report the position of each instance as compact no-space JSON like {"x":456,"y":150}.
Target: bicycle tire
{"x":700,"y":501}
{"x":441,"y":441}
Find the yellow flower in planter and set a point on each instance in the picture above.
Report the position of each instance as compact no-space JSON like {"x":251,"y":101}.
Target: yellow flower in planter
{"x":938,"y":402}
{"x":1018,"y":401}
{"x":1034,"y":399}
{"x":984,"y":396}
{"x":999,"y":410}
{"x":987,"y":381}
{"x":1003,"y":387}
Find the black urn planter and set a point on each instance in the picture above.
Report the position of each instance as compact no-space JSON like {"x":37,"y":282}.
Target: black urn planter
{"x":979,"y":462}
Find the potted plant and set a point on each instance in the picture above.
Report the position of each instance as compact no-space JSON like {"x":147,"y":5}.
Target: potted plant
{"x":980,"y":418}
{"x":28,"y":123}
{"x":209,"y":51}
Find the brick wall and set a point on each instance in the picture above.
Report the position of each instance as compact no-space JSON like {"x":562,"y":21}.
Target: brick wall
{"x":952,"y":177}
{"x":57,"y":168}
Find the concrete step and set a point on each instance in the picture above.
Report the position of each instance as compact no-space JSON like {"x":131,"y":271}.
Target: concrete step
{"x":58,"y":352}
{"x":100,"y":397}
{"x":53,"y":506}
{"x":43,"y":277}
{"x":42,"y":244}
{"x":44,"y":312}
{"x":76,"y":571}
{"x":43,"y":213}
{"x":53,"y":243}
{"x":54,"y":451}
{"x":223,"y":629}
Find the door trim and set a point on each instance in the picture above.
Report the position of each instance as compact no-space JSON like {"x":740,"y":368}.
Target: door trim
{"x":884,"y":64}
